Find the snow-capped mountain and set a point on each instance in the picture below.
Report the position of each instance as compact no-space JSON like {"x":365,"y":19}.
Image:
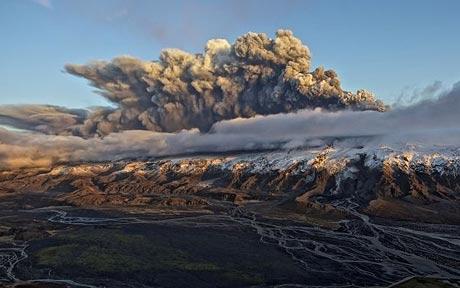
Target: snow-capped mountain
{"x":408,"y":182}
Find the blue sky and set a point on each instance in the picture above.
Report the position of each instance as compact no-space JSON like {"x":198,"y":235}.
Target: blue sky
{"x":383,"y":46}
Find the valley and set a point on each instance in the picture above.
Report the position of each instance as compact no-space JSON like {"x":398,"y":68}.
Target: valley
{"x":307,"y":218}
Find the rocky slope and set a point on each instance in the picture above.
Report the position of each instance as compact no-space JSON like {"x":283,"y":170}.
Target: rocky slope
{"x":408,"y":184}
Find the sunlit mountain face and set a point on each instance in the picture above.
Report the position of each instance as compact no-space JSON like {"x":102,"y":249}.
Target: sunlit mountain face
{"x":239,"y":166}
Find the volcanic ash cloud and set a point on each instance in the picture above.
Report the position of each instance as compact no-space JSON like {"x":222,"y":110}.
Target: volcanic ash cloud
{"x":255,"y":75}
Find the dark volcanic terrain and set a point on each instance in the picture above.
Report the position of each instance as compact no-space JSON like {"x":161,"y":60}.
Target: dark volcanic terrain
{"x":301,"y":218}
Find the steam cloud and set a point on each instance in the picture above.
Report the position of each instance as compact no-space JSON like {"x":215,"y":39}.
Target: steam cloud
{"x":431,"y":122}
{"x":254,"y":76}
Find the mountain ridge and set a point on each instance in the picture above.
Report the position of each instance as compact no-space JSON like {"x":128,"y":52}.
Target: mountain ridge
{"x":416,"y":185}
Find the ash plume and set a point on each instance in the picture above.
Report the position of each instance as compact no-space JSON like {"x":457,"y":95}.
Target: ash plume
{"x":254,"y":76}
{"x":46,"y":119}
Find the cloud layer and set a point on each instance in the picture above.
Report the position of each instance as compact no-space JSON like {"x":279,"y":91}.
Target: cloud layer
{"x":430,"y":122}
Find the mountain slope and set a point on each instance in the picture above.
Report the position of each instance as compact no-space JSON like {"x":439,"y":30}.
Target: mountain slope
{"x":407,"y":184}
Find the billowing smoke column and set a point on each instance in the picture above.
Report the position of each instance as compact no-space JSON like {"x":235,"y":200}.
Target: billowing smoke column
{"x":255,"y":75}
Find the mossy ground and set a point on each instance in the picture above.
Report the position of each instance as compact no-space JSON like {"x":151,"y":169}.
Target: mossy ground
{"x":161,"y":256}
{"x":108,"y":251}
{"x":420,"y":282}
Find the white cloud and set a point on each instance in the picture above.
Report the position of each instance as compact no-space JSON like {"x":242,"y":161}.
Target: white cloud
{"x":44,"y":3}
{"x":430,"y":122}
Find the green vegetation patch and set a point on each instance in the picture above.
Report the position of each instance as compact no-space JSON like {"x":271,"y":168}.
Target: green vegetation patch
{"x":424,"y":283}
{"x":162,"y":256}
{"x":141,"y":258}
{"x":110,"y":251}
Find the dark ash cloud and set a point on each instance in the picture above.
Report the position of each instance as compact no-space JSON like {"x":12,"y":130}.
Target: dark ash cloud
{"x":46,"y":119}
{"x":254,"y":76}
